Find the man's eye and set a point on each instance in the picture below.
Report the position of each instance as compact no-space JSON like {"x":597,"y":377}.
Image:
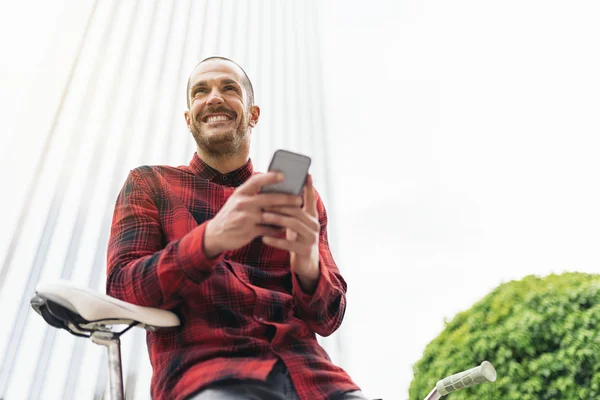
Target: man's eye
{"x":197,"y":91}
{"x":230,"y":88}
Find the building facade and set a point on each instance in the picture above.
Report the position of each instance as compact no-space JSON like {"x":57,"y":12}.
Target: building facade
{"x":121,"y":105}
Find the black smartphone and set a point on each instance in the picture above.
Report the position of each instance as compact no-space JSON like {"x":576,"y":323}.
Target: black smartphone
{"x":295,"y":168}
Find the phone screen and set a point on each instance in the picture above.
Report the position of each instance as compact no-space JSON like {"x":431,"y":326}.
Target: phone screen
{"x":295,"y":168}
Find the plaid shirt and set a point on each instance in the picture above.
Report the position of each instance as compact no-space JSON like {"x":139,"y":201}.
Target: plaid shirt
{"x":241,"y":311}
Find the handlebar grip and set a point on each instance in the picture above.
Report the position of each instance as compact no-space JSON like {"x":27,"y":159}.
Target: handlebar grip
{"x":483,"y":373}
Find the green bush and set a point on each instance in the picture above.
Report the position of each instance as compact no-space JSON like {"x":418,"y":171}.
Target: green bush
{"x":541,"y":334}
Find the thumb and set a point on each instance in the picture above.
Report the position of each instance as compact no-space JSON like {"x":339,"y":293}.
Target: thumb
{"x":256,"y":182}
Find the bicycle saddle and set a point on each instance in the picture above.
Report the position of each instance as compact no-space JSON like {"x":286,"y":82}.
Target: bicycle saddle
{"x":82,"y":311}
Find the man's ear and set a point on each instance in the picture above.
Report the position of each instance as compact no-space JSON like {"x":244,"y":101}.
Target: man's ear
{"x":186,"y":114}
{"x":254,"y":116}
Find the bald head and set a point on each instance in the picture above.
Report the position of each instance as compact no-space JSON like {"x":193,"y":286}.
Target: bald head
{"x":245,"y":81}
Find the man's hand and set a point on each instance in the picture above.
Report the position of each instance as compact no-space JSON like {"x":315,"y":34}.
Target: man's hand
{"x":302,"y":236}
{"x":240,"y":219}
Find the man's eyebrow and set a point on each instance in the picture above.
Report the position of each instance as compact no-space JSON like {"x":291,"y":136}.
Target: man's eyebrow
{"x":198,"y":84}
{"x":228,"y":81}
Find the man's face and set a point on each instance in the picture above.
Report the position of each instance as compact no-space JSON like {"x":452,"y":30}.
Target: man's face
{"x":219,"y":116}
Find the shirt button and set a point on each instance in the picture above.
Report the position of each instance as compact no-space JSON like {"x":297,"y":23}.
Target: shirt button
{"x":224,"y":177}
{"x":261,"y":319}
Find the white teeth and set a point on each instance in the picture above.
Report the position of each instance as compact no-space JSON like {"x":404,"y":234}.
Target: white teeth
{"x":216,"y":118}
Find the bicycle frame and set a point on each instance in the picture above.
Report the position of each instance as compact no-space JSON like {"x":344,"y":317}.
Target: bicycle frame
{"x":433,"y":395}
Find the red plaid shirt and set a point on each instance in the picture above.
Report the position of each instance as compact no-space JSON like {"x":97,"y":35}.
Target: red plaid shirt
{"x":241,"y":311}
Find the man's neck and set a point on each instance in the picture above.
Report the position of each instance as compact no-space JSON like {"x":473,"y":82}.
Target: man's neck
{"x":225,"y":164}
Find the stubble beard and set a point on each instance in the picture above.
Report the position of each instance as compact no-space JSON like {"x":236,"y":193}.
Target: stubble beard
{"x":223,"y":144}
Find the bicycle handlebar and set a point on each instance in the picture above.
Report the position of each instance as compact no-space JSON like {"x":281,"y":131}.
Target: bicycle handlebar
{"x":483,"y":373}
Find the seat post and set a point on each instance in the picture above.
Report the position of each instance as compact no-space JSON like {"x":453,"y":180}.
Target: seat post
{"x":115,"y":371}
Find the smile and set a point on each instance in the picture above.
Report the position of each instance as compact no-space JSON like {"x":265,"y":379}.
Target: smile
{"x":217,"y":118}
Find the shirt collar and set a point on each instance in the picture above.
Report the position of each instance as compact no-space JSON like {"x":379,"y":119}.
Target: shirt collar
{"x":233,"y":178}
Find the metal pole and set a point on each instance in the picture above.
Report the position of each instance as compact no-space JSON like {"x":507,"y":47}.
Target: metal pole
{"x":115,"y":372}
{"x":433,"y":395}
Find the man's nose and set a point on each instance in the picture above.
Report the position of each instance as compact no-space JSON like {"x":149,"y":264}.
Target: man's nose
{"x":214,"y":98}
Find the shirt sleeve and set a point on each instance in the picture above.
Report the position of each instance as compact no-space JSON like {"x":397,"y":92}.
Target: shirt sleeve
{"x":141,"y":268}
{"x":323,"y":310}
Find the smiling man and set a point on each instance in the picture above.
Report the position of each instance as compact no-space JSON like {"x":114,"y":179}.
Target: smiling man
{"x":221,"y":126}
{"x":199,"y":240}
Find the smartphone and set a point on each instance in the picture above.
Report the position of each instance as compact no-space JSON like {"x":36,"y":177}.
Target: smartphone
{"x":295,"y":168}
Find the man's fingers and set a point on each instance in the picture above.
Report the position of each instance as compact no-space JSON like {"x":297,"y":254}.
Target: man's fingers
{"x":310,"y":198}
{"x":271,"y":231}
{"x":277,"y":215}
{"x":287,"y":210}
{"x":306,"y":231}
{"x":291,"y":235}
{"x":269,"y":200}
{"x":256,"y":182}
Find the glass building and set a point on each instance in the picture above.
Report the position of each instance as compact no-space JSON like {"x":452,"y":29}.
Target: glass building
{"x":121,"y":105}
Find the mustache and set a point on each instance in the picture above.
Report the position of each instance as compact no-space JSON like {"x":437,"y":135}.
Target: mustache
{"x":217,"y":110}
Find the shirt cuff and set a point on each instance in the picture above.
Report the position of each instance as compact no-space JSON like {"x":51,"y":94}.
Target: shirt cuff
{"x":318,"y":298}
{"x":194,"y":263}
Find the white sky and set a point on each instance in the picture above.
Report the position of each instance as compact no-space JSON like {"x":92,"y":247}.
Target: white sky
{"x":465,"y":139}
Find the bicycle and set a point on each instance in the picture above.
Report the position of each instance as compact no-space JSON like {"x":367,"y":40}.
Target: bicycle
{"x":87,"y":313}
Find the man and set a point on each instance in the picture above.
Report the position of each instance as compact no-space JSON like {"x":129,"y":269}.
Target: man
{"x":200,"y":240}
